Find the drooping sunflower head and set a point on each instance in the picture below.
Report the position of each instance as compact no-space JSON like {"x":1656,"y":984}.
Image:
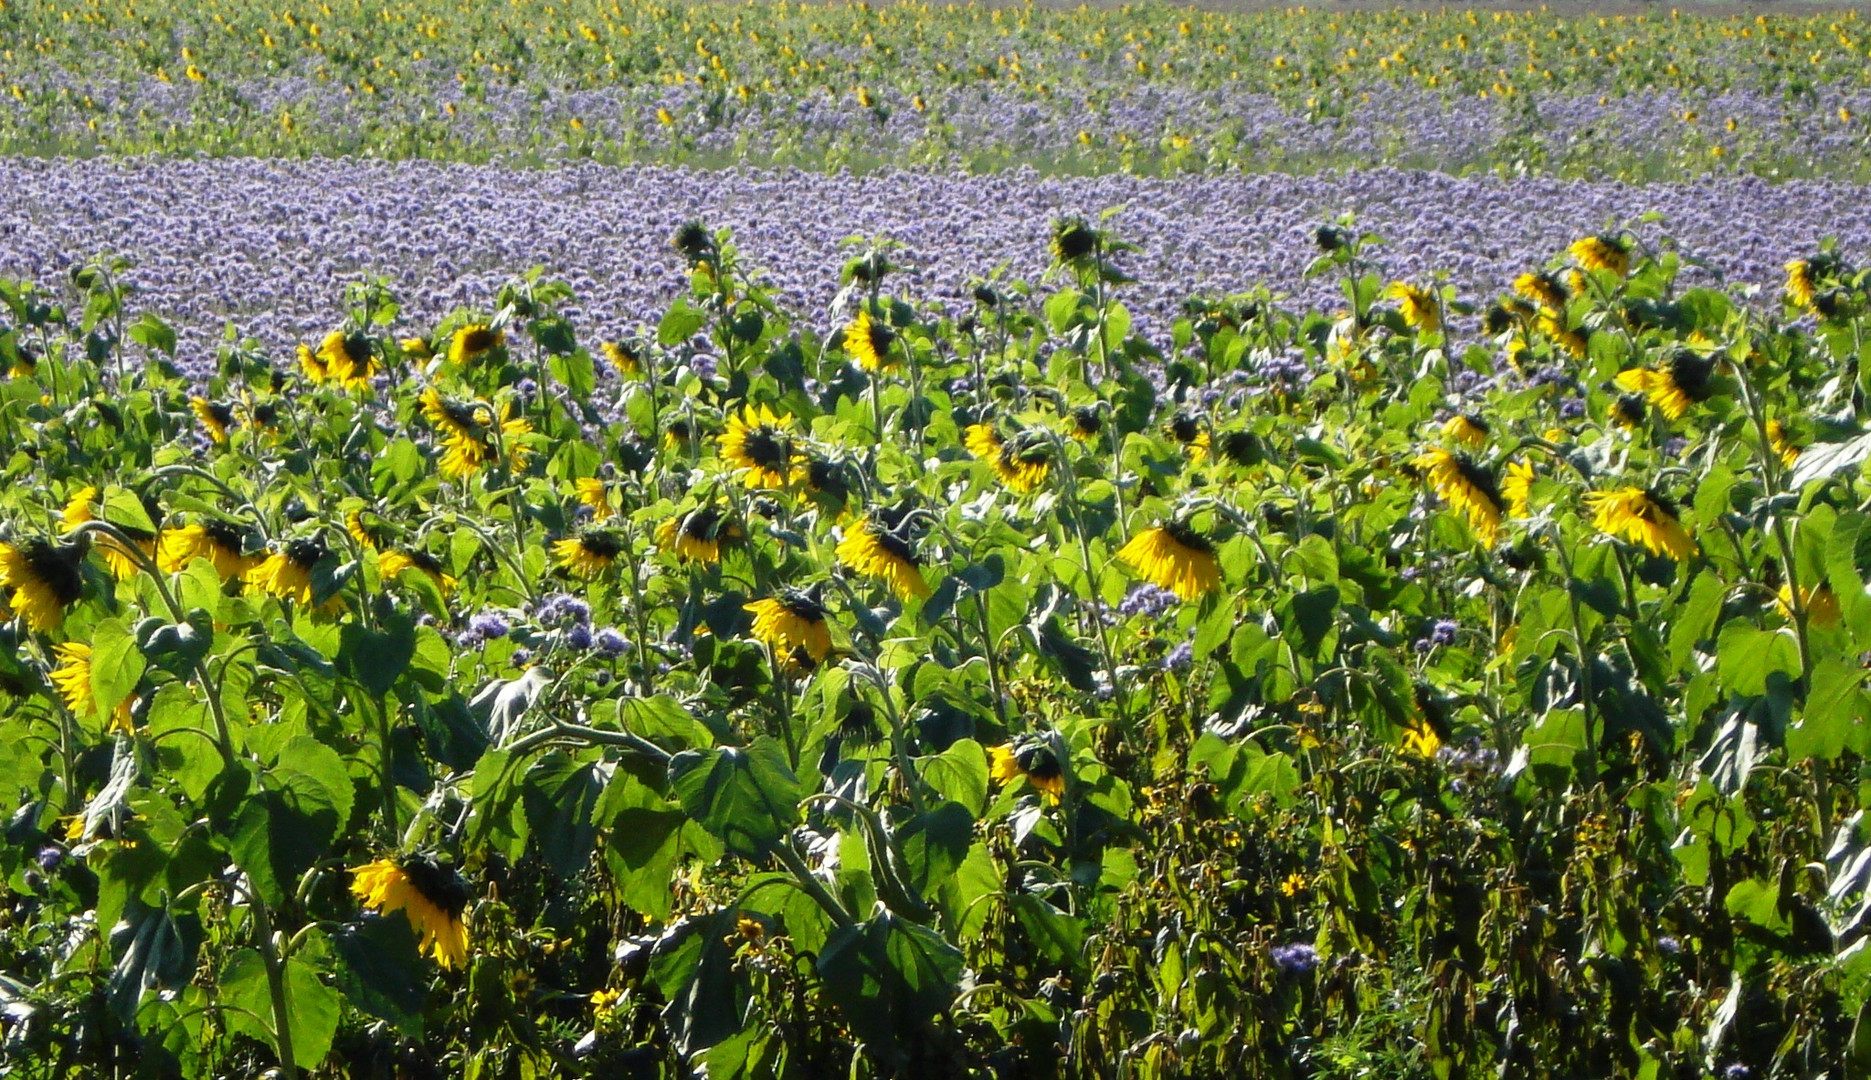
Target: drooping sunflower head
{"x":759,"y":442}
{"x":1641,"y":516}
{"x":1020,"y":460}
{"x":1517,"y":488}
{"x":699,"y":535}
{"x":1417,"y":305}
{"x":393,"y":563}
{"x":1499,"y":319}
{"x":1802,"y":283}
{"x":429,"y":893}
{"x":625,"y":356}
{"x":222,"y":543}
{"x":347,"y":356}
{"x":474,"y":341}
{"x":868,"y":342}
{"x":1469,"y":429}
{"x":1175,"y":556}
{"x":417,"y":348}
{"x":1032,"y":758}
{"x":792,"y":623}
{"x":287,"y":572}
{"x":1543,"y":288}
{"x":1603,"y":253}
{"x":873,"y":546}
{"x":1073,"y":241}
{"x":1468,"y":487}
{"x":1782,"y":442}
{"x":692,"y":239}
{"x":215,"y":417}
{"x":589,"y":553}
{"x":825,"y":479}
{"x":1084,"y":423}
{"x":1627,"y":411}
{"x":41,"y":579}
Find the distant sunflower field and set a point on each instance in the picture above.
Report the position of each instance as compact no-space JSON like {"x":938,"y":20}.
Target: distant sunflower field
{"x":1435,"y":686}
{"x":1145,"y":88}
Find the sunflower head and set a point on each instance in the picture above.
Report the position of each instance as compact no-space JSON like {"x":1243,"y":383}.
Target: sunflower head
{"x":1690,"y":372}
{"x":758,"y":441}
{"x":699,"y":535}
{"x":1073,"y":241}
{"x":868,"y":342}
{"x":692,"y":239}
{"x":474,"y":341}
{"x":429,"y":893}
{"x":792,"y":624}
{"x":45,"y":578}
{"x":1030,"y":757}
{"x":625,"y":356}
{"x":589,"y":553}
{"x":1085,"y":422}
{"x":1609,"y":254}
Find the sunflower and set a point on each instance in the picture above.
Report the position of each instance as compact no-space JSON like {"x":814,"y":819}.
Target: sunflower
{"x":871,"y":547}
{"x":221,"y":543}
{"x":1517,"y":488}
{"x":1780,"y":443}
{"x":466,"y":452}
{"x":459,"y":419}
{"x":1628,"y":411}
{"x":428,"y":893}
{"x":72,"y":676}
{"x":1467,"y":487}
{"x":692,"y":240}
{"x":868,"y":342}
{"x":82,"y":507}
{"x":1194,"y":438}
{"x":1822,"y":605}
{"x":392,"y":563}
{"x":590,"y":491}
{"x":589,"y":553}
{"x":470,"y":343}
{"x":417,"y":348}
{"x":1673,"y":387}
{"x":1609,"y":254}
{"x":1020,"y":461}
{"x":1030,"y":758}
{"x":1421,"y":739}
{"x":25,"y":364}
{"x":287,"y":572}
{"x":1073,"y":241}
{"x":1469,"y":429}
{"x":792,"y":624}
{"x":1642,"y":517}
{"x":1174,"y":556}
{"x":824,"y":479}
{"x":680,"y":434}
{"x":1543,"y":289}
{"x":44,"y":579}
{"x":757,"y":440}
{"x":1417,"y":305}
{"x":625,"y":356}
{"x":215,"y":418}
{"x":346,"y":359}
{"x":1802,"y":285}
{"x":1578,"y":342}
{"x":698,"y":535}
{"x":1084,"y":423}
{"x":313,"y":365}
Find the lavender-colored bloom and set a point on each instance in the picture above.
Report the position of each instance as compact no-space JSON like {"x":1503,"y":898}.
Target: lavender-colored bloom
{"x":1669,"y":946}
{"x":1737,"y":1071}
{"x":559,"y":608}
{"x":610,"y":642}
{"x":49,"y":858}
{"x":488,"y":625}
{"x":578,"y":637}
{"x":1443,"y":633}
{"x":1147,"y":599}
{"x":1572,"y":409}
{"x":1179,"y":657}
{"x":703,"y":365}
{"x":1295,"y":959}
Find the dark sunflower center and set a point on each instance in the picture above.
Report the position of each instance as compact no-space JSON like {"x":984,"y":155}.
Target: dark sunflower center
{"x":1184,"y":534}
{"x":893,"y":545}
{"x":305,"y":553}
{"x":1658,"y":507}
{"x":425,"y":562}
{"x":1037,"y":761}
{"x":221,"y":414}
{"x":56,"y":567}
{"x":1087,"y":420}
{"x":437,"y":882}
{"x":703,"y":524}
{"x":1479,"y":477}
{"x":1185,"y":428}
{"x":1475,"y":422}
{"x":1026,"y":448}
{"x":766,"y":448}
{"x":881,"y":336}
{"x":601,"y":545}
{"x":692,"y":239}
{"x":1690,"y":373}
{"x":265,"y":415}
{"x":225,"y":536}
{"x":477,"y":340}
{"x":1075,"y":242}
{"x":356,"y":347}
{"x":1631,"y":408}
{"x":801,"y":605}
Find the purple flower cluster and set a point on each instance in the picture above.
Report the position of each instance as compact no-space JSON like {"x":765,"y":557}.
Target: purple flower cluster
{"x":1147,"y":599}
{"x":483,"y":628}
{"x":1294,"y":960}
